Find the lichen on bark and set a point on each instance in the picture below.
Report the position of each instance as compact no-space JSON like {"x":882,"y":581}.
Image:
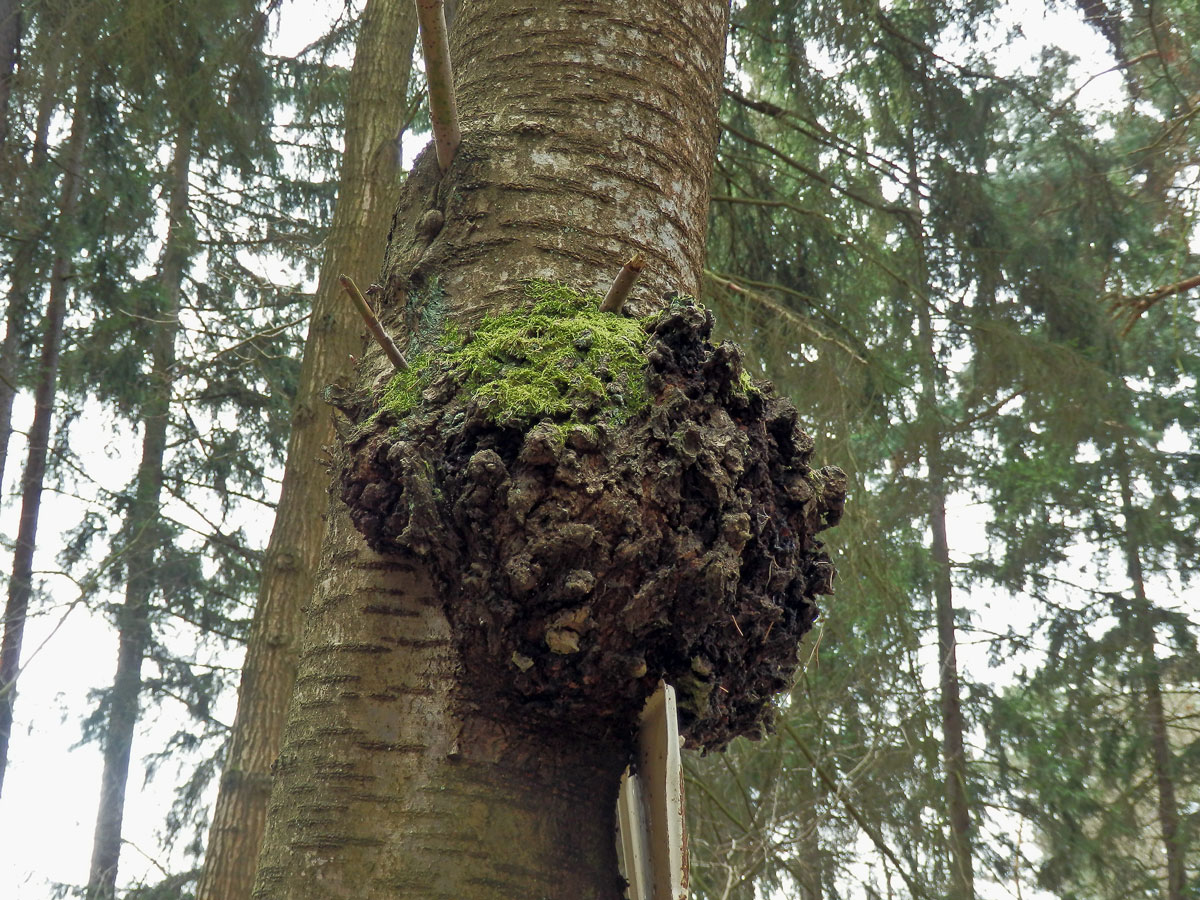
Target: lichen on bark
{"x":604,"y":502}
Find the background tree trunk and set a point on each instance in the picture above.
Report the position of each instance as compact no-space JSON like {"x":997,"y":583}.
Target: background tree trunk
{"x":31,"y":229}
{"x":144,"y":536}
{"x":366,"y":191}
{"x":587,"y":134}
{"x":20,"y":586}
{"x":954,"y":756}
{"x":10,"y":50}
{"x":1162,"y":761}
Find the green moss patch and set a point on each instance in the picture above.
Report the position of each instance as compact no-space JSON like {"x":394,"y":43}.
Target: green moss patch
{"x":562,"y":360}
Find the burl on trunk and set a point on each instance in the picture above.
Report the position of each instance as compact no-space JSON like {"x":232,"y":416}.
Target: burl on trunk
{"x":560,"y":506}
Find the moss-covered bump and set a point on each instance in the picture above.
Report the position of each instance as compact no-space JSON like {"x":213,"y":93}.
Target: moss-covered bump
{"x":562,"y":360}
{"x":602,"y":503}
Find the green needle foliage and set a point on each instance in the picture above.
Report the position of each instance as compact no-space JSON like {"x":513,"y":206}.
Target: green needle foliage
{"x":873,"y":163}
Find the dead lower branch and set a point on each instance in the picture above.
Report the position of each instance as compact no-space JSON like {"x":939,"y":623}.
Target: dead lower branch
{"x":1134,"y":307}
{"x":381,"y":337}
{"x":443,"y":111}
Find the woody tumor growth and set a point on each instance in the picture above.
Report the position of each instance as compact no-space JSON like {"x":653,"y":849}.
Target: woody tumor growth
{"x":604,"y":502}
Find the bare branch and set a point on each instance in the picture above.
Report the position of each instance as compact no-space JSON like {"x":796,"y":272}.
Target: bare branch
{"x":623,"y":284}
{"x":431,"y":14}
{"x":381,"y":337}
{"x":1134,"y":307}
{"x":872,"y":832}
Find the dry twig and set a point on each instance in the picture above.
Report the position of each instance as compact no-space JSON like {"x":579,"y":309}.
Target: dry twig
{"x":381,"y":337}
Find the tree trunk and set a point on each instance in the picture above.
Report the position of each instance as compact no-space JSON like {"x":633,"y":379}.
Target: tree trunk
{"x":1163,"y":762}
{"x":587,"y":134}
{"x":368,"y":183}
{"x":31,"y":230}
{"x":810,"y":856}
{"x":10,"y":50}
{"x":20,"y":586}
{"x":954,"y":757}
{"x":144,"y":537}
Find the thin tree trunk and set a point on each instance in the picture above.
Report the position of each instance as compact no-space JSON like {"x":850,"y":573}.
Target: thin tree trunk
{"x":954,"y":757}
{"x":810,"y":841}
{"x":368,"y":184}
{"x":144,"y":535}
{"x":10,"y":50}
{"x":588,"y":134}
{"x":20,"y":585}
{"x":1163,"y":761}
{"x":31,"y":231}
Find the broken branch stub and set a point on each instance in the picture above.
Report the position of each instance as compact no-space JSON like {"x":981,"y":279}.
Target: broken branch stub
{"x":615,"y":299}
{"x":373,"y":324}
{"x":443,"y":110}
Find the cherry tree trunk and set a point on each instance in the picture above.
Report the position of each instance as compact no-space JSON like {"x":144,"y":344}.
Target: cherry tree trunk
{"x":588,"y":134}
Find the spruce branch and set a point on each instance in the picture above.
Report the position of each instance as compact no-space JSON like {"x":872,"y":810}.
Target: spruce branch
{"x":443,"y":111}
{"x":381,"y":337}
{"x":859,"y":819}
{"x":623,"y":284}
{"x":1134,"y":307}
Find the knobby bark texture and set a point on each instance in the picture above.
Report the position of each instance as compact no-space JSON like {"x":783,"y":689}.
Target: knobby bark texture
{"x":20,"y":585}
{"x":657,"y":522}
{"x":366,"y":194}
{"x":588,"y":134}
{"x":144,"y":538}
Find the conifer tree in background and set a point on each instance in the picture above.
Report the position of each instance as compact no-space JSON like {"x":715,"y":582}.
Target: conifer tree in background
{"x":143,"y":531}
{"x":797,"y":267}
{"x":230,"y":382}
{"x":198,"y":78}
{"x":1093,"y":742}
{"x":988,"y":248}
{"x":10,"y":51}
{"x":27,"y":176}
{"x":374,"y":121}
{"x":888,"y":139}
{"x":20,"y":584}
